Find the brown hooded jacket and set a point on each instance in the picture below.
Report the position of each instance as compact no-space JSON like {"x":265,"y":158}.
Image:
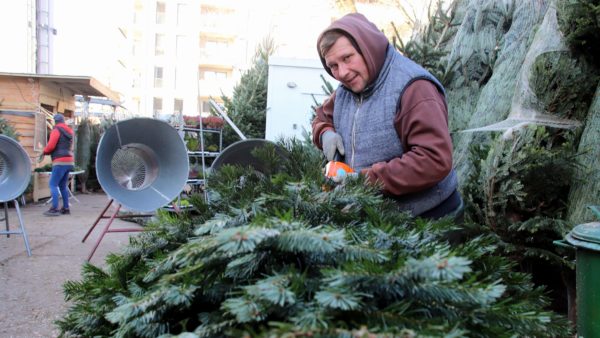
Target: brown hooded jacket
{"x":421,"y":121}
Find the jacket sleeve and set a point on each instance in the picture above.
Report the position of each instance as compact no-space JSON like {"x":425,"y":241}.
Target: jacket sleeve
{"x":54,"y":136}
{"x":422,"y":124}
{"x":323,"y":120}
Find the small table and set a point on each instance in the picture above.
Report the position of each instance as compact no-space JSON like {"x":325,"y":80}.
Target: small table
{"x":71,"y":183}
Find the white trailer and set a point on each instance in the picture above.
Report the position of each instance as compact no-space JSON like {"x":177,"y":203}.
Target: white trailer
{"x":292,"y":85}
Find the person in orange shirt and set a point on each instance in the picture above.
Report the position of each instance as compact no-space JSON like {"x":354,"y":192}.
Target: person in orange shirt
{"x":59,"y":148}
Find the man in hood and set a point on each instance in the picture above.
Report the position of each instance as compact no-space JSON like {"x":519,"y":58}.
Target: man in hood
{"x":59,"y":148}
{"x":389,"y":118}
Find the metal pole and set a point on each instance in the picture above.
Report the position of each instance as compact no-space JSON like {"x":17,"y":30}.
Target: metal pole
{"x":224,"y":116}
{"x":204,"y":190}
{"x":101,"y":216}
{"x":6,"y":219}
{"x":23,"y":232}
{"x":103,"y":233}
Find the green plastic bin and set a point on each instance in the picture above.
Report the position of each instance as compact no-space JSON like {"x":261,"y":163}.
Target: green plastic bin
{"x":586,"y":239}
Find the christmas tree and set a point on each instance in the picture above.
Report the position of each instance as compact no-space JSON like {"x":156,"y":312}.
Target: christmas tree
{"x":247,"y":108}
{"x":289,"y":253}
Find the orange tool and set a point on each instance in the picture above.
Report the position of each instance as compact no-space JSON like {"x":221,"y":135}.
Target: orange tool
{"x":337,"y":167}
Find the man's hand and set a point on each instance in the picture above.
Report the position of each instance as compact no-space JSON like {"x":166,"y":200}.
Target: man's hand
{"x":332,"y":142}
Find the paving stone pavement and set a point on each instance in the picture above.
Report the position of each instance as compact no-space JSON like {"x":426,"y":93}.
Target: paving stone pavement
{"x":31,"y":296}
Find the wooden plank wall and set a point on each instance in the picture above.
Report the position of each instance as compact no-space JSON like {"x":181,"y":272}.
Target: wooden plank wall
{"x":59,"y":98}
{"x":19,"y":93}
{"x":23,"y":95}
{"x":24,"y":126}
{"x":20,"y":97}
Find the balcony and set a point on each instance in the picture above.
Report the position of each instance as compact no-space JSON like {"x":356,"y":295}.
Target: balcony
{"x":222,"y":57}
{"x":216,"y":88}
{"x":221,"y":24}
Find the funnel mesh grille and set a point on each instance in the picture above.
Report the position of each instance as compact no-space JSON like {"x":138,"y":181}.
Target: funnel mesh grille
{"x":3,"y":165}
{"x":129,"y":169}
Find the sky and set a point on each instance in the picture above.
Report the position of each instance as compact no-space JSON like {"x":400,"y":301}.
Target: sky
{"x":84,"y":42}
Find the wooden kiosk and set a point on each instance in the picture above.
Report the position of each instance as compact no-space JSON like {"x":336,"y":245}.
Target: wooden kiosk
{"x":28,"y":100}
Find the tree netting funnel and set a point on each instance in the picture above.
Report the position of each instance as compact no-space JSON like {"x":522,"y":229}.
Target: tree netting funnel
{"x":15,"y":174}
{"x":242,"y":153}
{"x":15,"y":169}
{"x":525,"y":106}
{"x":142,"y":163}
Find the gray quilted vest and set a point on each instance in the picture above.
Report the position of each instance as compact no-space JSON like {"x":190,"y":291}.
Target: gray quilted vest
{"x":63,"y":146}
{"x":366,"y":124}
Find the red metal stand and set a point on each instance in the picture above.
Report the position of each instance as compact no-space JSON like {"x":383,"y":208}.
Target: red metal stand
{"x":107,"y":227}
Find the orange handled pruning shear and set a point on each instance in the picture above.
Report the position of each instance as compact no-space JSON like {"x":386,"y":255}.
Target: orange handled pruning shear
{"x":337,"y":167}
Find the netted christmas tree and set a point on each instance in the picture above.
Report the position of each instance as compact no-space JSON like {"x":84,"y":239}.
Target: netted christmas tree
{"x":512,"y":64}
{"x":247,"y":107}
{"x":580,"y":22}
{"x":83,"y":150}
{"x":521,"y":77}
{"x":286,"y":252}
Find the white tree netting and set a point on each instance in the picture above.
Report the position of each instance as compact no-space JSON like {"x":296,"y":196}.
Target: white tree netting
{"x":473,"y":99}
{"x":525,"y":107}
{"x":513,"y":68}
{"x":586,"y":187}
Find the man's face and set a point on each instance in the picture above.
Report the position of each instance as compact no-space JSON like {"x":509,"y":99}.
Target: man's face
{"x":347,"y":65}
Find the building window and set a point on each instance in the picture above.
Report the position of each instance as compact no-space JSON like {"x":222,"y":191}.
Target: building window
{"x":137,"y":49}
{"x":157,"y":106}
{"x":175,"y":78}
{"x":160,"y":12}
{"x":178,"y":106}
{"x":159,"y":44}
{"x":137,"y":104}
{"x":216,"y":46}
{"x":203,"y":106}
{"x":137,"y":13}
{"x":213,"y":75}
{"x":158,"y":77}
{"x":182,"y":14}
{"x":136,"y":16}
{"x":180,"y":42}
{"x":137,"y":79}
{"x":180,"y":78}
{"x":216,"y":10}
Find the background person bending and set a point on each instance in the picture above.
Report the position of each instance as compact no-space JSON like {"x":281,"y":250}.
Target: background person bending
{"x":59,"y":148}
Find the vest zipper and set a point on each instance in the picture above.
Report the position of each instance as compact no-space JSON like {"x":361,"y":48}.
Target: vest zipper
{"x":359,"y":103}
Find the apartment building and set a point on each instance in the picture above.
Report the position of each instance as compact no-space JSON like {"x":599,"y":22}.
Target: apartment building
{"x":184,"y":52}
{"x":167,"y":56}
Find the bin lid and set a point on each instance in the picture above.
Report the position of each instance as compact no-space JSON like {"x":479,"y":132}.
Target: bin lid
{"x":585,"y":236}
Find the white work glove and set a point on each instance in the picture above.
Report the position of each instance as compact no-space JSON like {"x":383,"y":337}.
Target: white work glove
{"x":331,"y":142}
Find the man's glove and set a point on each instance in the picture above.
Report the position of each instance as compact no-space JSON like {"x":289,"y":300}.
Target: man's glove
{"x":332,"y":142}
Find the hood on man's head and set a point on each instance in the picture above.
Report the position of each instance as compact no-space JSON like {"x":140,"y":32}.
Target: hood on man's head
{"x":372,"y":43}
{"x":59,"y":118}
